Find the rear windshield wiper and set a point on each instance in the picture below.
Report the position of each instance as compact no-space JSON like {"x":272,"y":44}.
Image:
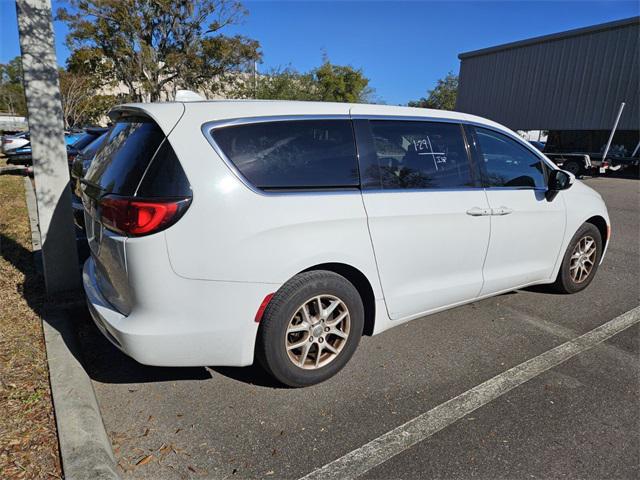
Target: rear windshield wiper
{"x":91,"y":184}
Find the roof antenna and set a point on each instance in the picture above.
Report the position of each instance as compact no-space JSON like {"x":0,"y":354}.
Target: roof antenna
{"x":188,"y":96}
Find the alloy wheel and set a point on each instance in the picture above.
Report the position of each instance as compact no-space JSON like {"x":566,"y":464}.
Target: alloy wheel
{"x":583,"y":259}
{"x":317,"y":332}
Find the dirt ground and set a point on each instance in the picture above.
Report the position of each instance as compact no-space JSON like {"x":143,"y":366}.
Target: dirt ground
{"x":29,"y":446}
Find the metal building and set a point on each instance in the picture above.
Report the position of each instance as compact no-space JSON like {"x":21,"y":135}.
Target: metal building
{"x":574,"y":80}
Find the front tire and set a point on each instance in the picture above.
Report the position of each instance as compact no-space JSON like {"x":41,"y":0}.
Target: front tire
{"x":580,"y":261}
{"x":311,"y":328}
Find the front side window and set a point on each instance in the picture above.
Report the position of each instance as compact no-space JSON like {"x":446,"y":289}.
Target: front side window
{"x":506,"y":163}
{"x":419,"y":155}
{"x":299,"y":154}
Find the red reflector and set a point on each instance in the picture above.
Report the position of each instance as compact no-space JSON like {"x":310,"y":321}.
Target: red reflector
{"x":263,"y":307}
{"x":140,"y":217}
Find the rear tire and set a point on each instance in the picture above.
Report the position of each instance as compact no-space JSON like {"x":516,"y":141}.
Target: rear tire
{"x":573,"y":167}
{"x":580,"y":261}
{"x":310,"y":329}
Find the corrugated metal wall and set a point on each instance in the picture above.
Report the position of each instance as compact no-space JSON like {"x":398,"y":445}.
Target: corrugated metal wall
{"x":568,"y":83}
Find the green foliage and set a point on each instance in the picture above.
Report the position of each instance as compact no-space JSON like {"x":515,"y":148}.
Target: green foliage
{"x":327,"y":83}
{"x":442,"y":97}
{"x":341,"y":83}
{"x":12,"y":99}
{"x":153,"y":46}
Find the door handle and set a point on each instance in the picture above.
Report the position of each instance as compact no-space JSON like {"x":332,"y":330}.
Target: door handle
{"x":478,"y":212}
{"x":502,"y":211}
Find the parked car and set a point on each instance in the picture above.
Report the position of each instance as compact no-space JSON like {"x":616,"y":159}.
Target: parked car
{"x":75,"y":142}
{"x":72,"y":137}
{"x":79,"y":168}
{"x":226,"y":231}
{"x":11,"y":142}
{"x":20,"y":155}
{"x":89,"y":135}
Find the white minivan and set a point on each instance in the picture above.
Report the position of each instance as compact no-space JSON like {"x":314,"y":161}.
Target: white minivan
{"x":224,"y":231}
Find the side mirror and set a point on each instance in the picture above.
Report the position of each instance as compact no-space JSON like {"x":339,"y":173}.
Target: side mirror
{"x":558,"y":180}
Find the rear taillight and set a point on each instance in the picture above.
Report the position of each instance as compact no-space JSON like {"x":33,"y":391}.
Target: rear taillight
{"x":136,"y":217}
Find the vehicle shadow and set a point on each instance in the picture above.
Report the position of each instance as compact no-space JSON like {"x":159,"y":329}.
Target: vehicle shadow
{"x":253,"y":375}
{"x":68,"y":315}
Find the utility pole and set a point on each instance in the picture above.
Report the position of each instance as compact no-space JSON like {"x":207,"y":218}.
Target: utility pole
{"x":255,"y":79}
{"x":44,"y":105}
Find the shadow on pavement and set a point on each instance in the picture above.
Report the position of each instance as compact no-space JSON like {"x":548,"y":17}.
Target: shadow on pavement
{"x":68,"y":315}
{"x":254,"y":375}
{"x":106,"y":364}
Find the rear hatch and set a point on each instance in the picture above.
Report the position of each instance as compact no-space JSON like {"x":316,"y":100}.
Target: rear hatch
{"x":134,"y":187}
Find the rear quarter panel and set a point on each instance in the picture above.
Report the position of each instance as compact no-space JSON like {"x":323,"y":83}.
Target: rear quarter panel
{"x":232,"y":233}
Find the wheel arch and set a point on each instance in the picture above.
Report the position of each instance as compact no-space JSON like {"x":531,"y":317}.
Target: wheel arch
{"x":362,"y":284}
{"x":601,"y":224}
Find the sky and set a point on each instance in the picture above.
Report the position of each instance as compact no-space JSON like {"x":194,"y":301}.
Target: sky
{"x":402,"y":47}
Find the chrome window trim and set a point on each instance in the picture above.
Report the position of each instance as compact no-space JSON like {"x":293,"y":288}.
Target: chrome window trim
{"x":507,"y":133}
{"x":208,"y":127}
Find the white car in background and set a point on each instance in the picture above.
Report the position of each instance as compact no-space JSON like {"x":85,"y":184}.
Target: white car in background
{"x":227,"y":231}
{"x":12,"y":142}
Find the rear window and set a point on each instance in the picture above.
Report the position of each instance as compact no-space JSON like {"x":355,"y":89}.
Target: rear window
{"x":134,"y":148}
{"x":301,"y":154}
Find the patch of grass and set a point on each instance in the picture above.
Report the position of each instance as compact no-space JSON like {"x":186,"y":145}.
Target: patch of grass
{"x":29,"y":446}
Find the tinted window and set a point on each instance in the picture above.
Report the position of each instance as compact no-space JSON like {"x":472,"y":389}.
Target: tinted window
{"x":415,"y":154}
{"x":129,"y":147}
{"x":292,"y":154}
{"x":506,"y":163}
{"x":165,"y":176}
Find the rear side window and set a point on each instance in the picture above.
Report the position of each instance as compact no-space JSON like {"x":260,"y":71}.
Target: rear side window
{"x":165,"y":176}
{"x":506,"y":163}
{"x":301,"y":154}
{"x":136,"y":159}
{"x":422,"y":155}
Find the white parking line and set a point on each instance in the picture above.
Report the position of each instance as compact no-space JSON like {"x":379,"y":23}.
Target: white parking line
{"x":387,"y":446}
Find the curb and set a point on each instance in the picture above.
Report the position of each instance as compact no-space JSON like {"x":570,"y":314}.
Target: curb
{"x":85,"y":448}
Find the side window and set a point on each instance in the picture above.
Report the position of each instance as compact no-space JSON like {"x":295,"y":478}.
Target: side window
{"x":300,"y":154}
{"x":417,"y":154}
{"x":506,"y":163}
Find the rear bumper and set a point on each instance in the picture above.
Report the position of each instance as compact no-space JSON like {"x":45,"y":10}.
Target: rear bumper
{"x":195,"y":323}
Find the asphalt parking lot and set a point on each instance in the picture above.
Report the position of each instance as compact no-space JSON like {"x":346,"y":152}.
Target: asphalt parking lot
{"x":579,"y":419}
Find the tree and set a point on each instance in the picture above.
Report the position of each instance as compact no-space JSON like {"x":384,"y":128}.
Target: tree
{"x":341,"y":83}
{"x":326,"y":83}
{"x":442,"y":97}
{"x":12,"y":99}
{"x":155,"y":46}
{"x":281,"y":84}
{"x":80,"y":104}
